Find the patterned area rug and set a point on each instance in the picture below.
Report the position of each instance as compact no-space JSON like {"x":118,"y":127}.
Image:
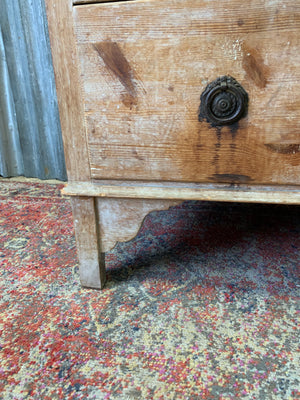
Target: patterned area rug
{"x":202,"y":304}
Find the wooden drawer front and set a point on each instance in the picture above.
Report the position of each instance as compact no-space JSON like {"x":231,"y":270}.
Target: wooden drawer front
{"x":144,"y":65}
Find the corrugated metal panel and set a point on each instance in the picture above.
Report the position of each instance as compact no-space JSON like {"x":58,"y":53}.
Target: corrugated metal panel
{"x":30,"y":136}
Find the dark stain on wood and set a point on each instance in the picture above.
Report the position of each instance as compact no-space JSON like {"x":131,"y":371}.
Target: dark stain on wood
{"x":217,"y":150}
{"x":230,"y":178}
{"x":254,"y":66}
{"x":283,"y":148}
{"x":128,"y":100}
{"x":116,"y":62}
{"x":136,"y":155}
{"x":240,"y":22}
{"x":233,"y":129}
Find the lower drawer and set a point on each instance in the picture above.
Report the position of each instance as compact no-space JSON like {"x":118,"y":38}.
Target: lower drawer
{"x":144,"y":65}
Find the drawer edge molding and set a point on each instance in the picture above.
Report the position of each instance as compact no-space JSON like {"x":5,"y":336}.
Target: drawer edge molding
{"x":179,"y":191}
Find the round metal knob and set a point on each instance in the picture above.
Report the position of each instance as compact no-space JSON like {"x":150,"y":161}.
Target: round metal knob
{"x":223,"y":102}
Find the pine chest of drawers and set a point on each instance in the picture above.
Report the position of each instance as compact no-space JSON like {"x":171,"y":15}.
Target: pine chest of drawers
{"x":165,"y":101}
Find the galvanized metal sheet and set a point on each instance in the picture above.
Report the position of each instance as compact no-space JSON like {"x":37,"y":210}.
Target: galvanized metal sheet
{"x":30,"y":135}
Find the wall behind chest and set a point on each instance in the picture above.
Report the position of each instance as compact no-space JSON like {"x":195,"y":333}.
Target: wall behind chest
{"x":30,"y":134}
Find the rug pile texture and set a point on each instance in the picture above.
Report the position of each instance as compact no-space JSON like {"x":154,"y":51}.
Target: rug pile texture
{"x":202,"y":304}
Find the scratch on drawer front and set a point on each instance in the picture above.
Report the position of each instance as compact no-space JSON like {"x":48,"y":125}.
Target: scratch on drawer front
{"x":117,"y":63}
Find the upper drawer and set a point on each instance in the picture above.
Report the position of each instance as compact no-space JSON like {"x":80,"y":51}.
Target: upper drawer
{"x":144,"y":65}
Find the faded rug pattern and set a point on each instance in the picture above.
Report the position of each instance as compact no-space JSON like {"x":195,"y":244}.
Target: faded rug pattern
{"x":202,"y":304}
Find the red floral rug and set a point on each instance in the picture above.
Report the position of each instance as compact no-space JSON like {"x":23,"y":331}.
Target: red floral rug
{"x":202,"y":304}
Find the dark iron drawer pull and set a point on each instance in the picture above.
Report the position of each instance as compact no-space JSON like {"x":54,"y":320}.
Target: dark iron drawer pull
{"x":223,"y":102}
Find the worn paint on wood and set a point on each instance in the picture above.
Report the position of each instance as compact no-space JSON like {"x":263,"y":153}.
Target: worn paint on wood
{"x":159,"y":57}
{"x":67,"y":78}
{"x":121,"y":219}
{"x":90,"y":254}
{"x":186,"y":191}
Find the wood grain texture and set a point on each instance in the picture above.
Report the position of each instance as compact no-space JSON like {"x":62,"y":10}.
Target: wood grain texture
{"x":65,"y":62}
{"x":144,"y":65}
{"x":186,"y":191}
{"x":121,"y":219}
{"x":91,"y":256}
